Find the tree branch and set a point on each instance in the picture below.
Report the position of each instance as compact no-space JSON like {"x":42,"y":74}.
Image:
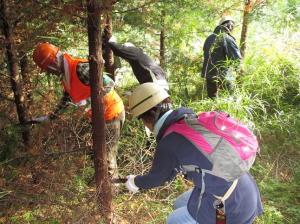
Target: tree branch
{"x":139,"y":7}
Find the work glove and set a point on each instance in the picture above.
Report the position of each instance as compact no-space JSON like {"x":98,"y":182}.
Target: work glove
{"x":113,"y":39}
{"x":128,"y":44}
{"x":41,"y":118}
{"x":130,"y":185}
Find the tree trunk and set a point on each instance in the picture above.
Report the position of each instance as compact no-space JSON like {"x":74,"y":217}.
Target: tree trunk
{"x":24,"y":64}
{"x":13,"y":70}
{"x":24,"y":67}
{"x":162,"y":40}
{"x":103,"y":183}
{"x":108,"y":54}
{"x":247,"y":9}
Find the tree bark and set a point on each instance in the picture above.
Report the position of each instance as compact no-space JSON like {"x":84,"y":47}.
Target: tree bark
{"x":162,"y":40}
{"x":108,"y":53}
{"x":103,"y":183}
{"x":24,"y":64}
{"x":13,"y":70}
{"x":24,"y":67}
{"x":247,"y":9}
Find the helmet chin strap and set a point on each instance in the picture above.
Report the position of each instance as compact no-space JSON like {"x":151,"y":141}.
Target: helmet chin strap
{"x":58,"y":55}
{"x":160,"y":108}
{"x":58,"y":65}
{"x":157,"y":114}
{"x":60,"y":61}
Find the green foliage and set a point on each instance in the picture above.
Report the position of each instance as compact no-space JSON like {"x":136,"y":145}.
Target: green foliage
{"x":10,"y":138}
{"x":266,"y":97}
{"x":271,"y":215}
{"x":32,"y":217}
{"x":279,"y":207}
{"x":284,"y":14}
{"x":271,"y":73}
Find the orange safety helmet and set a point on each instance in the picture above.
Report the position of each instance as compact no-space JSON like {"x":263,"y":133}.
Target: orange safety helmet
{"x":44,"y":54}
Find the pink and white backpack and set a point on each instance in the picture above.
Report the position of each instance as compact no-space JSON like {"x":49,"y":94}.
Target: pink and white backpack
{"x":226,"y":142}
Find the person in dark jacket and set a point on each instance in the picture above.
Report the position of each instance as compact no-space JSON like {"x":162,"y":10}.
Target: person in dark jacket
{"x":150,"y":103}
{"x":221,"y":54}
{"x":144,"y":68}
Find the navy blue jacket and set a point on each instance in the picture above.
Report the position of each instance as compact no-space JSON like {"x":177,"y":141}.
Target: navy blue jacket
{"x":218,"y":48}
{"x":175,"y":150}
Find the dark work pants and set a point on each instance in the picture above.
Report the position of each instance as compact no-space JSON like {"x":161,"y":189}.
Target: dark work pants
{"x":215,"y":83}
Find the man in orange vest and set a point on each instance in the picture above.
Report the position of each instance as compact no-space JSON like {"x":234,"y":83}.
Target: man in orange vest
{"x":74,"y":74}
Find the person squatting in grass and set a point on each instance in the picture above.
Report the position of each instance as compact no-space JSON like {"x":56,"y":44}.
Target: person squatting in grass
{"x":221,"y":55}
{"x":150,"y":103}
{"x":74,"y":75}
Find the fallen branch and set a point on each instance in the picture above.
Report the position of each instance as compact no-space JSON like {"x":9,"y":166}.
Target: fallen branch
{"x":53,"y":154}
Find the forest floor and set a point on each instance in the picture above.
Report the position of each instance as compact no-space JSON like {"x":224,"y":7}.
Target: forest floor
{"x":54,"y":182}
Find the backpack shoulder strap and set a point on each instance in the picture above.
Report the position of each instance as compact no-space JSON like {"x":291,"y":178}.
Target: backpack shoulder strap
{"x":190,"y":128}
{"x":228,"y":192}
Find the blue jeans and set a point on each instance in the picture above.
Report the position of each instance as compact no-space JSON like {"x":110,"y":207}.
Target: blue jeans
{"x":180,"y":215}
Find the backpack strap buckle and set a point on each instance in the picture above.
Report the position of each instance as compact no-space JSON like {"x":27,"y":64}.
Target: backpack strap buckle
{"x":220,"y":212}
{"x":190,"y":168}
{"x":219,"y":204}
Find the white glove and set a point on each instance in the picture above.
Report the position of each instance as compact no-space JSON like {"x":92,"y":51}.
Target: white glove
{"x":113,"y":39}
{"x":82,"y":103}
{"x":128,"y":44}
{"x":41,"y":118}
{"x":130,"y":185}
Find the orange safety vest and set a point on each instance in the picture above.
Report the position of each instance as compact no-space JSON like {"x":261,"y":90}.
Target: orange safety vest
{"x":73,"y":86}
{"x":78,"y":91}
{"x":113,"y":106}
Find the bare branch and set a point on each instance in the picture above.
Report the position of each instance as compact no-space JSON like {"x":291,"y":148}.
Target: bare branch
{"x":139,"y":7}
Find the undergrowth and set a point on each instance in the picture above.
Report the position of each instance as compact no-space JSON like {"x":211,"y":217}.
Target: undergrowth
{"x":55,"y":182}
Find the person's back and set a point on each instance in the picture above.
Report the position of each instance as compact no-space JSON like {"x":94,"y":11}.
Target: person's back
{"x":214,"y":53}
{"x":176,"y":153}
{"x":220,"y":53}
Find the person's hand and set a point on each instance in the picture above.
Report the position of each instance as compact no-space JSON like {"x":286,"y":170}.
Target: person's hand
{"x":41,"y":118}
{"x":130,"y":185}
{"x":82,"y":103}
{"x":113,"y":39}
{"x":128,"y":44}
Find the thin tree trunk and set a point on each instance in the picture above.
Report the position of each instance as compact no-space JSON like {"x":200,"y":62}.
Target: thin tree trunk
{"x":162,"y":40}
{"x":24,"y":67}
{"x":24,"y":64}
{"x":103,"y":183}
{"x":13,"y":70}
{"x":108,"y":54}
{"x":247,"y":9}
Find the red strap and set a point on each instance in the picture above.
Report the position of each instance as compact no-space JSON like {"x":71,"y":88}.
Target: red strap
{"x":220,"y":217}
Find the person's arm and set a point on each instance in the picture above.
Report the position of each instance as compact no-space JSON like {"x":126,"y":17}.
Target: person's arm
{"x":52,"y":115}
{"x":126,"y":52}
{"x":232,"y":50}
{"x":63,"y":103}
{"x":206,"y":52}
{"x":162,"y":170}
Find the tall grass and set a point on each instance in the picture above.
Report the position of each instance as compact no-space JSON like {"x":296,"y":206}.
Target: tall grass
{"x":266,"y":98}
